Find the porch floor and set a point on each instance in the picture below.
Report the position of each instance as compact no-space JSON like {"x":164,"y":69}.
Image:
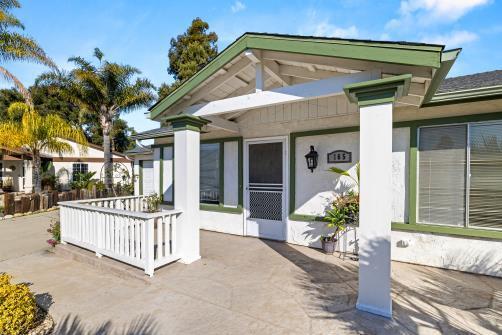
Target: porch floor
{"x":252,"y":286}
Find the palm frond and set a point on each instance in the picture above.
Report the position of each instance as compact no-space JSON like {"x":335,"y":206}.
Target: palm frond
{"x":98,"y":54}
{"x":340,"y":171}
{"x":8,"y":20}
{"x":9,"y":4}
{"x":82,"y":63}
{"x":15,"y":46}
{"x":17,"y":83}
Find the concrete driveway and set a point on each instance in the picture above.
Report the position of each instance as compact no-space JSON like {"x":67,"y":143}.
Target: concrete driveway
{"x":25,"y":235}
{"x":250,"y":286}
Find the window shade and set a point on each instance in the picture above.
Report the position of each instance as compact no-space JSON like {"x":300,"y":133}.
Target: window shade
{"x":485,"y":195}
{"x":210,"y":173}
{"x":441,"y":175}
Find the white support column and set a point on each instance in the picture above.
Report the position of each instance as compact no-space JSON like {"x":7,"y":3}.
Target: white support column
{"x":376,"y":100}
{"x":260,"y":77}
{"x":186,"y":179}
{"x":375,"y":209}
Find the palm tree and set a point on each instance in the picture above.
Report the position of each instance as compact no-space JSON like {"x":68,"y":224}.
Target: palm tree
{"x":17,"y":47}
{"x":106,"y":90}
{"x":36,"y":133}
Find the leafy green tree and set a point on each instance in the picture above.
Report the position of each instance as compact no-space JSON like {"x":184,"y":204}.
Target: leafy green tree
{"x":48,"y":100}
{"x":120,"y":134}
{"x":17,"y":47}
{"x":190,"y":52}
{"x":7,"y":97}
{"x":105,"y":90}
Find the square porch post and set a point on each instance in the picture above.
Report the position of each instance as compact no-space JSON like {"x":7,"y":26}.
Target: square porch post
{"x":186,"y":193}
{"x":375,"y":99}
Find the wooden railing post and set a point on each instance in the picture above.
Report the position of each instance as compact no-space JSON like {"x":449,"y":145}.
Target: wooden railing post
{"x":150,"y":248}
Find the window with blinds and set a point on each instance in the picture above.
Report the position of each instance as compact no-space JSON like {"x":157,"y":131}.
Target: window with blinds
{"x":210,"y":173}
{"x":485,"y":191}
{"x":460,"y":175}
{"x":442,"y":157}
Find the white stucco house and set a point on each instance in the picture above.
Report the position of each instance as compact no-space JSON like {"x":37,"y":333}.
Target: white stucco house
{"x":229,"y":156}
{"x":16,"y":165}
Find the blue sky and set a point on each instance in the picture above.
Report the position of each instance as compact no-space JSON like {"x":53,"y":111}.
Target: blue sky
{"x":138,"y":32}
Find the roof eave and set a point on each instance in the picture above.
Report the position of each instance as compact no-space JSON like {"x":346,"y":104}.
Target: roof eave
{"x":448,"y":58}
{"x":399,"y":53}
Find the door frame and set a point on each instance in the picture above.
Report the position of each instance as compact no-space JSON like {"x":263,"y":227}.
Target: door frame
{"x":285,"y":174}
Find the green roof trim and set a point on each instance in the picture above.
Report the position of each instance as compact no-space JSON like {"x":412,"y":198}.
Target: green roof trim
{"x":414,"y":54}
{"x":448,"y":58}
{"x":476,"y":94}
{"x":378,"y":91}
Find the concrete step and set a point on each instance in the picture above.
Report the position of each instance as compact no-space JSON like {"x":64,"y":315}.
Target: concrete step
{"x":104,"y":264}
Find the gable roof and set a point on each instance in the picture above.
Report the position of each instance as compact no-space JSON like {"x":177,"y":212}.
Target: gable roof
{"x":403,"y":53}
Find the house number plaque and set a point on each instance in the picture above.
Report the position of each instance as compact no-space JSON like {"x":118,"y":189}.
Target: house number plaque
{"x":340,"y":156}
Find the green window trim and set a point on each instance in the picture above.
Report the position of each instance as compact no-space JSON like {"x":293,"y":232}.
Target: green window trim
{"x":221,"y":206}
{"x":412,"y":224}
{"x":140,"y":179}
{"x":448,"y":230}
{"x":221,"y":209}
{"x":209,"y":207}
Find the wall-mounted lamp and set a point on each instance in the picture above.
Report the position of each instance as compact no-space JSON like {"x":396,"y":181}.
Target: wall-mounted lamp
{"x":311,"y":158}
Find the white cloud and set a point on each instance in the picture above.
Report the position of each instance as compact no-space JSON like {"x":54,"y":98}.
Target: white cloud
{"x":424,"y":12}
{"x":321,"y":26}
{"x":237,"y":7}
{"x":329,"y":30}
{"x":452,"y":39}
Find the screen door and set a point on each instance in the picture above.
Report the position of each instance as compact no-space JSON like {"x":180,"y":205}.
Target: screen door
{"x":265,"y":189}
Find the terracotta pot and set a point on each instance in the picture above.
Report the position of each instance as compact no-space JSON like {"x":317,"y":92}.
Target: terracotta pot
{"x":328,"y":246}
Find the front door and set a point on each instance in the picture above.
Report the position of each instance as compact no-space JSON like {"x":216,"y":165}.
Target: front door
{"x":265,"y":188}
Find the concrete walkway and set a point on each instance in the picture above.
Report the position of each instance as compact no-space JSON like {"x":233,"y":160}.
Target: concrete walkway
{"x":252,"y":286}
{"x":24,"y":235}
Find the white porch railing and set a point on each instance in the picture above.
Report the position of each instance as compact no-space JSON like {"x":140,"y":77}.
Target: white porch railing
{"x":118,"y":228}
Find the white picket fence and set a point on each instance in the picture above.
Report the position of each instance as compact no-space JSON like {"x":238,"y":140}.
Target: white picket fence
{"x":120,"y":229}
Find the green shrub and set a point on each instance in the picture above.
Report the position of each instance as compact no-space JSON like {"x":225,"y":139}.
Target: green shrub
{"x":17,"y":307}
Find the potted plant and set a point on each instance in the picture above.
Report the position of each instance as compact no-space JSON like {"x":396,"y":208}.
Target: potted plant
{"x":336,"y":224}
{"x":152,"y":203}
{"x":344,"y":212}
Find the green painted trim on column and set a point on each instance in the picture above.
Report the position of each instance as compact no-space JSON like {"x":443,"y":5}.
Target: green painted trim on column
{"x":161,"y":174}
{"x":186,"y":122}
{"x":412,"y":175}
{"x":221,"y":206}
{"x":140,"y":177}
{"x":449,"y":230}
{"x":161,"y":145}
{"x":379,"y":91}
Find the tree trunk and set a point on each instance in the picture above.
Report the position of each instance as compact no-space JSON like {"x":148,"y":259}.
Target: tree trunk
{"x":37,"y":179}
{"x":106,"y":124}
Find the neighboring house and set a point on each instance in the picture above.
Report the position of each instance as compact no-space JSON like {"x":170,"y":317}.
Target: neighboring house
{"x":430,"y":150}
{"x":16,"y":166}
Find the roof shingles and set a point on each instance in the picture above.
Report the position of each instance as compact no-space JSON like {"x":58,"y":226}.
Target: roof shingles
{"x":471,"y":81}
